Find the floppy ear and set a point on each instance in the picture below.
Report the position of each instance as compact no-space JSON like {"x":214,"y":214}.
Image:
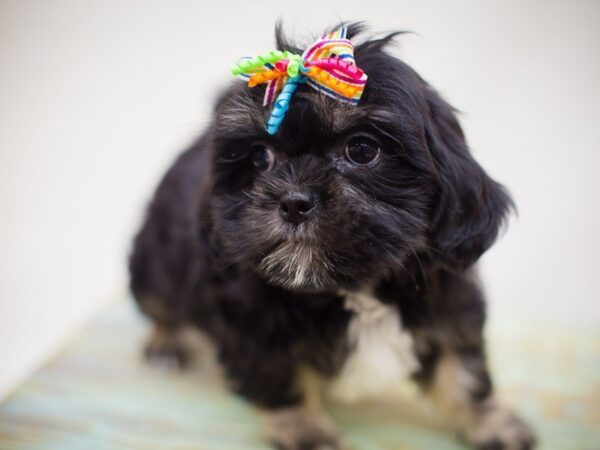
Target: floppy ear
{"x":470,"y":207}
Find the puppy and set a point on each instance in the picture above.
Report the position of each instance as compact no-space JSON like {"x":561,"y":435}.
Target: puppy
{"x":344,"y":244}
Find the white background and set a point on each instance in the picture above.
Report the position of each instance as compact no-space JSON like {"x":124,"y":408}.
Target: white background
{"x":96,"y":98}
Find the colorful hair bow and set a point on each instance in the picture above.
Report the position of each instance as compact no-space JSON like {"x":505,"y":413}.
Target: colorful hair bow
{"x":327,"y":65}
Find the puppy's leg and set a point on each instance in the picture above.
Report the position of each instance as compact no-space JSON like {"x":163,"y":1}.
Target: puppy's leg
{"x":303,"y":426}
{"x":164,"y":348}
{"x":460,"y":385}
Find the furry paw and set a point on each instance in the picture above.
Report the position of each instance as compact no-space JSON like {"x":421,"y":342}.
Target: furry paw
{"x":498,"y":428}
{"x":299,"y":429}
{"x":164,"y":350}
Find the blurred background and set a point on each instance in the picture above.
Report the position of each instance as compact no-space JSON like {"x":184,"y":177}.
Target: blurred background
{"x":98,"y":96}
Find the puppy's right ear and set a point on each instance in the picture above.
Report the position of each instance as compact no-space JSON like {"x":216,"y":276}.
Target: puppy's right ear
{"x":470,"y":207}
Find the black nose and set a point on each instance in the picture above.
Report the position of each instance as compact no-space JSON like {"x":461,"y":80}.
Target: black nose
{"x":296,"y":206}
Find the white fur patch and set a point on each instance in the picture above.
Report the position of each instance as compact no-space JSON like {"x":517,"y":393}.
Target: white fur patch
{"x":295,"y":265}
{"x":382,"y":352}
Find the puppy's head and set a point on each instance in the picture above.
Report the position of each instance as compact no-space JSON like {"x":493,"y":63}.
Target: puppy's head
{"x":344,"y":193}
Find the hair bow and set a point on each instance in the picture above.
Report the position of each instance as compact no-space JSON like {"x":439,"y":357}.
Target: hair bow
{"x":327,"y":65}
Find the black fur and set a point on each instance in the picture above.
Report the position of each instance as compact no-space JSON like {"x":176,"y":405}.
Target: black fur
{"x":413,"y":225}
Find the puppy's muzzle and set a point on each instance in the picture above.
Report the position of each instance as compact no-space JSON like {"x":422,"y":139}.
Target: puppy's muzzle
{"x":295,"y":207}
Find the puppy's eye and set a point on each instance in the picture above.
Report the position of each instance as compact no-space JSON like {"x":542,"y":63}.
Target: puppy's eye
{"x":362,"y":151}
{"x":263,"y":157}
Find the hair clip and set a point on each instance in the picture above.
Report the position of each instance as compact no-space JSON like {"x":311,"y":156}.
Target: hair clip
{"x":327,"y":65}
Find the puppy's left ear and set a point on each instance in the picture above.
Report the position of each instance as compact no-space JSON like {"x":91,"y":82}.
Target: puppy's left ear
{"x":470,"y":207}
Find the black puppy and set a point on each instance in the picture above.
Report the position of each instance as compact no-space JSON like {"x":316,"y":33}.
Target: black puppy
{"x":343,"y":246}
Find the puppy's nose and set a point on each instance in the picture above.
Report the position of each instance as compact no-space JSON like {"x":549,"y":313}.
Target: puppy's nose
{"x":296,"y":206}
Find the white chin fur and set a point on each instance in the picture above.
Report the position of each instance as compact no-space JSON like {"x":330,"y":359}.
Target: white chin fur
{"x":295,"y":265}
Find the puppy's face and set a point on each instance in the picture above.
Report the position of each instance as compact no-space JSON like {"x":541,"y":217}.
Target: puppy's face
{"x":340,"y":194}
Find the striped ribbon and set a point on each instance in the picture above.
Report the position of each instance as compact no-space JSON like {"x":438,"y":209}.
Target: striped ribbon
{"x":327,"y":65}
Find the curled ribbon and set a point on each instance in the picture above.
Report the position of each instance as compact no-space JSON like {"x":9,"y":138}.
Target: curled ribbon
{"x":327,"y":65}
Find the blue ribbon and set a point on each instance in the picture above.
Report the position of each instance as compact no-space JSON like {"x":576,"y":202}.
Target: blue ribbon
{"x":282,"y":103}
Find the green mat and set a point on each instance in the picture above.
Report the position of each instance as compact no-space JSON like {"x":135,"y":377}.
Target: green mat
{"x":99,"y":394}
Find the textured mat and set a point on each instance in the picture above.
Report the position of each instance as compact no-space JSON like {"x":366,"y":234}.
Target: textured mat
{"x":98,"y":394}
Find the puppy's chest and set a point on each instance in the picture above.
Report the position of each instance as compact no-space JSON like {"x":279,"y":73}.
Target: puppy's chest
{"x":381,"y":350}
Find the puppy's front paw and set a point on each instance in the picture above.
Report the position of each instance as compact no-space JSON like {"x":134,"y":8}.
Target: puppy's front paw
{"x":498,"y":428}
{"x":300,"y":429}
{"x":164,"y":350}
